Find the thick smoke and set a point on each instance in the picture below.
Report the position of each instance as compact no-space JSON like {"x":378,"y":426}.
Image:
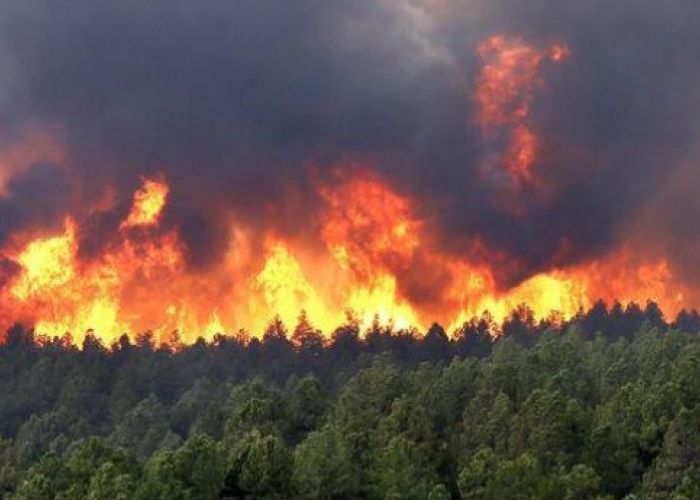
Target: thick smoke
{"x":232,"y":101}
{"x":37,"y":197}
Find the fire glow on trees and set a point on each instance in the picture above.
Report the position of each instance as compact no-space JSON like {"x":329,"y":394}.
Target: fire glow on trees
{"x":374,"y":251}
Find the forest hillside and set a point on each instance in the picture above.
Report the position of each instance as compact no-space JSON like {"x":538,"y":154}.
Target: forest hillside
{"x":604,"y":406}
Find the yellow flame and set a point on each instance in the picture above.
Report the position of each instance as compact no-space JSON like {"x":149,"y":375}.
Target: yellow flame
{"x":148,"y":205}
{"x":46,"y":263}
{"x":142,"y":283}
{"x":286,"y":290}
{"x":380,"y":301}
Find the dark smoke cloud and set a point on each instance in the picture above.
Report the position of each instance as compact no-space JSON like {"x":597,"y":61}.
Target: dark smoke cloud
{"x":232,"y":100}
{"x":37,"y":198}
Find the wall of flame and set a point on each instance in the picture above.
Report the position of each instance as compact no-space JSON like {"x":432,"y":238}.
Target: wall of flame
{"x":371,"y":250}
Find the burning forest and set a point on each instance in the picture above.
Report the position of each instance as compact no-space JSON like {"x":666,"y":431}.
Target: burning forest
{"x":383,"y":162}
{"x":349,"y":249}
{"x":375,"y":253}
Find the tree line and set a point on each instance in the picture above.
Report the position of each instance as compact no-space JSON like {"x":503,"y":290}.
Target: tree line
{"x":605,"y":405}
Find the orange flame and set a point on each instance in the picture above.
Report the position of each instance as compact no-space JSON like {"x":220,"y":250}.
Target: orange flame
{"x":505,"y":91}
{"x":148,"y":205}
{"x":374,"y":240}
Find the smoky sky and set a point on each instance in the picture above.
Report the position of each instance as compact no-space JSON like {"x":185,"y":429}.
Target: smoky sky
{"x":232,"y":100}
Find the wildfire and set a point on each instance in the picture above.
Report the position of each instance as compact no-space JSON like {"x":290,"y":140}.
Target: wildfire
{"x":374,"y":239}
{"x":374,"y":253}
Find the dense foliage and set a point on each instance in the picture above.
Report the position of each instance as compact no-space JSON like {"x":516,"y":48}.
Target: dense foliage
{"x":604,"y":406}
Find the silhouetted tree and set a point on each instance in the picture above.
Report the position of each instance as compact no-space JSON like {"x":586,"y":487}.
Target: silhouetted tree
{"x":474,"y":338}
{"x":687,"y":321}
{"x":435,"y":344}
{"x":520,"y":325}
